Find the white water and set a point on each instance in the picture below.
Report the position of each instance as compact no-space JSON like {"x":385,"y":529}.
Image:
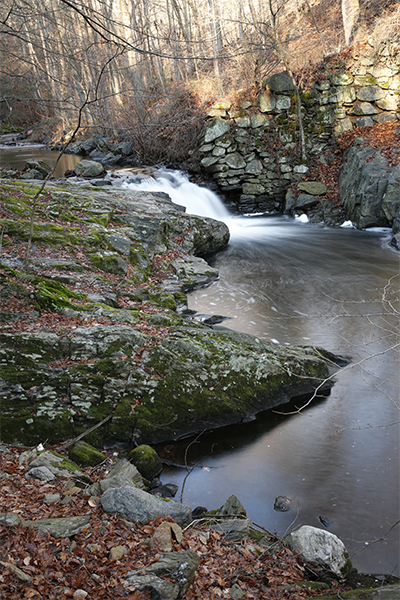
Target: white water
{"x":205,"y":203}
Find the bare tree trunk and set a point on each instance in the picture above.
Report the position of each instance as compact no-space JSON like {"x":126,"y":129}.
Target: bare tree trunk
{"x":350,"y":12}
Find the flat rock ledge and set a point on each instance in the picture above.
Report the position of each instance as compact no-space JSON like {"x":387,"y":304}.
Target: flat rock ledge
{"x":128,"y":355}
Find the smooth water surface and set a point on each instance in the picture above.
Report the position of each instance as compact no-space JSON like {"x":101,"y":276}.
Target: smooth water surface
{"x":293,"y":282}
{"x":15,"y":157}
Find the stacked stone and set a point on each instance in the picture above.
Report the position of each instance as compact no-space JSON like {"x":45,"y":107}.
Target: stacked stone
{"x":251,"y":147}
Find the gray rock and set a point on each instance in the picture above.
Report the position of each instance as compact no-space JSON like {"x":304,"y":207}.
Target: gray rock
{"x":315,"y":188}
{"x":236,"y":592}
{"x":33,"y":174}
{"x":41,"y":473}
{"x":57,"y":465}
{"x":61,"y":527}
{"x":370,"y":93}
{"x":139,"y":506}
{"x":321,"y":549}
{"x":280,"y":82}
{"x":161,"y":589}
{"x":120,"y":243}
{"x":364,"y":122}
{"x":180,"y":568}
{"x":232,"y":506}
{"x":194,"y":272}
{"x":282,"y":504}
{"x":215,"y":129}
{"x":369,"y":189}
{"x":89,"y":168}
{"x":11,"y":519}
{"x":125,"y":470}
{"x":235,"y":161}
{"x":364,"y":108}
{"x":234,"y":530}
{"x":38,"y":165}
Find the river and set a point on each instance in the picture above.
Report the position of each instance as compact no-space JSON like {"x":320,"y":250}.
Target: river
{"x":292,"y":282}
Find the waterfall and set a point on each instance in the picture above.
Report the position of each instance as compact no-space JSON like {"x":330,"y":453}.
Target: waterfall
{"x":205,"y":203}
{"x":197,"y":200}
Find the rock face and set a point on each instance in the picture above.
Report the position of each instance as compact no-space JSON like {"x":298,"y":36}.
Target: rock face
{"x":321,"y":549}
{"x":370,"y":188}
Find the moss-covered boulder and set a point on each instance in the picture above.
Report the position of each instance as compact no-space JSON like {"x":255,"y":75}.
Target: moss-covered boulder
{"x":146,"y":460}
{"x":101,"y":343}
{"x":85,"y":455}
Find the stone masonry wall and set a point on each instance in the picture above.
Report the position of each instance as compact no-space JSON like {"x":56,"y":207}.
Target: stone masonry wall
{"x":251,"y":147}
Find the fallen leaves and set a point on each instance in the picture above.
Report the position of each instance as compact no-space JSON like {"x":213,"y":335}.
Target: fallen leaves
{"x":35,"y":565}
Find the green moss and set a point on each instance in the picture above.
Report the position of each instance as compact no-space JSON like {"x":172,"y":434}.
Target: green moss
{"x":53,"y":295}
{"x":85,"y":455}
{"x":124,"y":420}
{"x":109,"y":262}
{"x":16,"y":205}
{"x":50,"y":234}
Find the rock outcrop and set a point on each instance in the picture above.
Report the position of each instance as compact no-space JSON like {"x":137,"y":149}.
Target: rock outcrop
{"x":369,"y":188}
{"x":94,"y":331}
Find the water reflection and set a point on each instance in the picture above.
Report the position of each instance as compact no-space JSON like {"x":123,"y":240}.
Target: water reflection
{"x":15,"y":157}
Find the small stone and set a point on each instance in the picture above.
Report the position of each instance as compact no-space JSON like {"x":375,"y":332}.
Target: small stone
{"x":80,"y":594}
{"x":117,"y":552}
{"x":18,"y":572}
{"x":51,"y":498}
{"x":282,"y":504}
{"x":315,"y":188}
{"x":236,"y":592}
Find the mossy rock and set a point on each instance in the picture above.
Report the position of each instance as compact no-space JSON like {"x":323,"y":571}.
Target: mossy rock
{"x":54,"y":295}
{"x":146,"y":460}
{"x":85,"y":455}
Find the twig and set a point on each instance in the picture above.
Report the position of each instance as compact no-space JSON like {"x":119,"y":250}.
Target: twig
{"x":67,"y":444}
{"x":377,"y":541}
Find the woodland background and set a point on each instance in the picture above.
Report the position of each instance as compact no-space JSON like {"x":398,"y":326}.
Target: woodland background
{"x":146,"y":69}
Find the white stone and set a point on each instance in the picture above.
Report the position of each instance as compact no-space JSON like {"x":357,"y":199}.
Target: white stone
{"x":321,"y":549}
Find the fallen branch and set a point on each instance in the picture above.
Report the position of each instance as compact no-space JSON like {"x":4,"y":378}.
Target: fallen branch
{"x":82,"y":435}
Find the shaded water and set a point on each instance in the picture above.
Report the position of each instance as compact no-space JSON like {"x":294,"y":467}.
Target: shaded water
{"x":291,"y":282}
{"x":15,"y":157}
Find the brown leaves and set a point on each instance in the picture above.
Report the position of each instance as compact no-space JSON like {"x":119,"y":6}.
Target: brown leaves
{"x":58,"y":568}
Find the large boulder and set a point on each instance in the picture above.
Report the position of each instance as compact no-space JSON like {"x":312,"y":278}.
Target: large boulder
{"x":89,"y":168}
{"x":321,"y":549}
{"x":369,"y":187}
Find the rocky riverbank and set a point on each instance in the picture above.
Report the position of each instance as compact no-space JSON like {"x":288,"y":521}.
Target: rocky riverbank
{"x":91,"y":530}
{"x":95,"y":330}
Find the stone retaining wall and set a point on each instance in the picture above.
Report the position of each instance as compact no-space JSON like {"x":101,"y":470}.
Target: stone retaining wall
{"x":251,"y":147}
